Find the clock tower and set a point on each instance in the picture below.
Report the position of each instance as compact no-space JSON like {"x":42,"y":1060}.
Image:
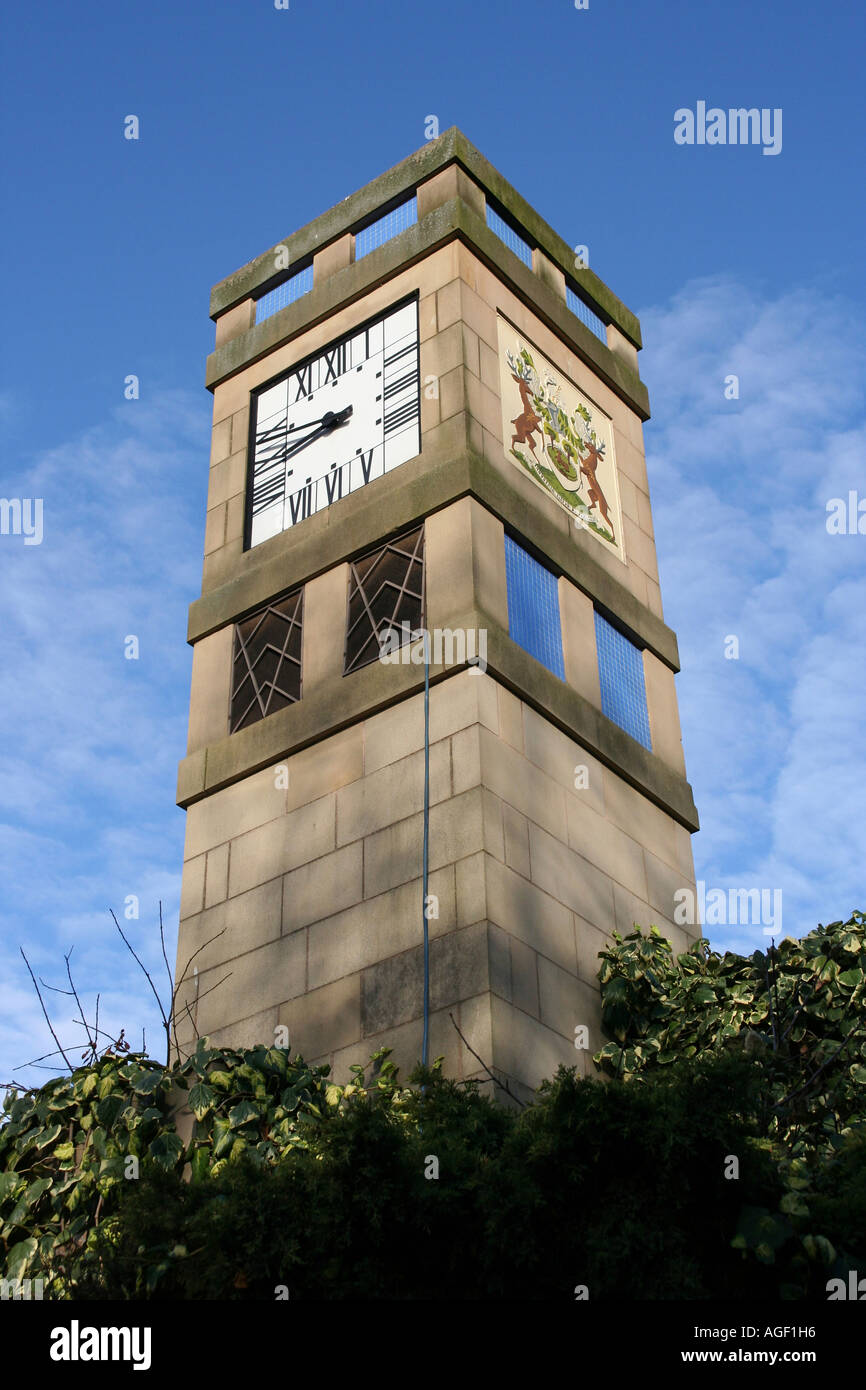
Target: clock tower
{"x":434,"y":753}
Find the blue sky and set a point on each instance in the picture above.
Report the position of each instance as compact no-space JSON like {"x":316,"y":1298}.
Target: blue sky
{"x":253,"y":121}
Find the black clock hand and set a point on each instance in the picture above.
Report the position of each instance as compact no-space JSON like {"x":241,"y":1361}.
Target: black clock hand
{"x":330,"y":422}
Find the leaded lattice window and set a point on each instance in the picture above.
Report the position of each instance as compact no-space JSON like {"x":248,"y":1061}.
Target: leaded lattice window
{"x":386,"y":594}
{"x":266,"y":670}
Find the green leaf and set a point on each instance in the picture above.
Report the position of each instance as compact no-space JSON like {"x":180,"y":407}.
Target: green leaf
{"x":108,"y":1110}
{"x":819,"y":1248}
{"x":792,"y":1204}
{"x":222,"y":1137}
{"x":243,"y":1113}
{"x":89,"y":1085}
{"x":19,"y":1258}
{"x":147,"y":1083}
{"x":202,"y":1098}
{"x":65,"y":1150}
{"x":166,"y":1149}
{"x":35,"y":1191}
{"x":9,"y":1182}
{"x":223,"y":1079}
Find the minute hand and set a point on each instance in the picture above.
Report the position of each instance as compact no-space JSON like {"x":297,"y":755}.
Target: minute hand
{"x":330,"y":422}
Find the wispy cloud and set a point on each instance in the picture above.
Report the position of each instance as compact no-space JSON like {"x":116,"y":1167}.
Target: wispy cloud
{"x":92,"y":740}
{"x":775,"y":741}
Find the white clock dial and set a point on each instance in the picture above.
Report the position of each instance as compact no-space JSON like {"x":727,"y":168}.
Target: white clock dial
{"x":334,"y":423}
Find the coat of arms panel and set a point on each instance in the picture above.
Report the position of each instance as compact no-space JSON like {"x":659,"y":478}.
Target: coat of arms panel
{"x":559,"y":437}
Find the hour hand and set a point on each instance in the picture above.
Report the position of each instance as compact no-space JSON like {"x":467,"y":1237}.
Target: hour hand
{"x":330,"y":421}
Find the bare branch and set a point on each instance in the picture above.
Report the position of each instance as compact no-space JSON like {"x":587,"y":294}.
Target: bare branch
{"x":91,"y":1040}
{"x":165,"y":1022}
{"x":504,"y":1084}
{"x":45,"y":1011}
{"x":164,"y":956}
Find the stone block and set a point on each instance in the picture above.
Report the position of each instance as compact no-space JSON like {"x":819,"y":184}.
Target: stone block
{"x":192,"y":886}
{"x":215,"y":529}
{"x":516,"y":780}
{"x":516,"y":832}
{"x":662,"y":884}
{"x":319,"y":889}
{"x":571,"y":879}
{"x":325,"y":767}
{"x":605,"y":846}
{"x":524,"y":977}
{"x":523,"y":1047}
{"x":216,"y":876}
{"x":283,"y":844}
{"x":233,"y":810}
{"x":233,"y":927}
{"x":325,"y":607}
{"x":258,"y":980}
{"x":466,"y":759}
{"x":221,"y":442}
{"x":510,"y":718}
{"x":324,"y":1020}
{"x":333,"y":258}
{"x":227,"y":479}
{"x":580,"y":657}
{"x":567,"y":1003}
{"x":210,"y":689}
{"x":392,"y":990}
{"x":561,"y":758}
{"x":663,"y":713}
{"x":377,"y":928}
{"x":527,"y":912}
{"x":392,"y":793}
{"x":471,"y":888}
{"x":258,"y":1031}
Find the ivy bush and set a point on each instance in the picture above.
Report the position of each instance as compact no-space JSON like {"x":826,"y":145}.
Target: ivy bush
{"x":240,"y":1172}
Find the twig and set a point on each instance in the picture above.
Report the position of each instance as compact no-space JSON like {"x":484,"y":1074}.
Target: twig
{"x":164,"y":956}
{"x":817,"y":1072}
{"x":504,"y":1084}
{"x":165,"y":1023}
{"x":91,"y":1041}
{"x":45,"y":1011}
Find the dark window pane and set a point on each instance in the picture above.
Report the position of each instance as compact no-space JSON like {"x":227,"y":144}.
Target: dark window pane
{"x":386,"y":589}
{"x":266,"y":672}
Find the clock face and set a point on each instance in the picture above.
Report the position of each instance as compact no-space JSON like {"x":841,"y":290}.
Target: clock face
{"x":334,"y":423}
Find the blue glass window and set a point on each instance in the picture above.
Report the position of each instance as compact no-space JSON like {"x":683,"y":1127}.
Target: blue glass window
{"x":623,"y":690}
{"x":584,"y":313}
{"x":384,"y":228}
{"x":286,"y":293}
{"x":506,"y":233}
{"x":533,"y":608}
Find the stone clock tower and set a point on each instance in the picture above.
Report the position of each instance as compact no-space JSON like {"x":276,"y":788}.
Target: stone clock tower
{"x":427,"y":420}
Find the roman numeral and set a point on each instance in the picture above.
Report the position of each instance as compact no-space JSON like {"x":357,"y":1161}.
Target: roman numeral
{"x":401,"y":352}
{"x":267,"y":489}
{"x":301,"y":503}
{"x":304,"y":381}
{"x":401,"y":383}
{"x":334,"y":482}
{"x":401,"y":415}
{"x":335,"y":363}
{"x":366,"y":466}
